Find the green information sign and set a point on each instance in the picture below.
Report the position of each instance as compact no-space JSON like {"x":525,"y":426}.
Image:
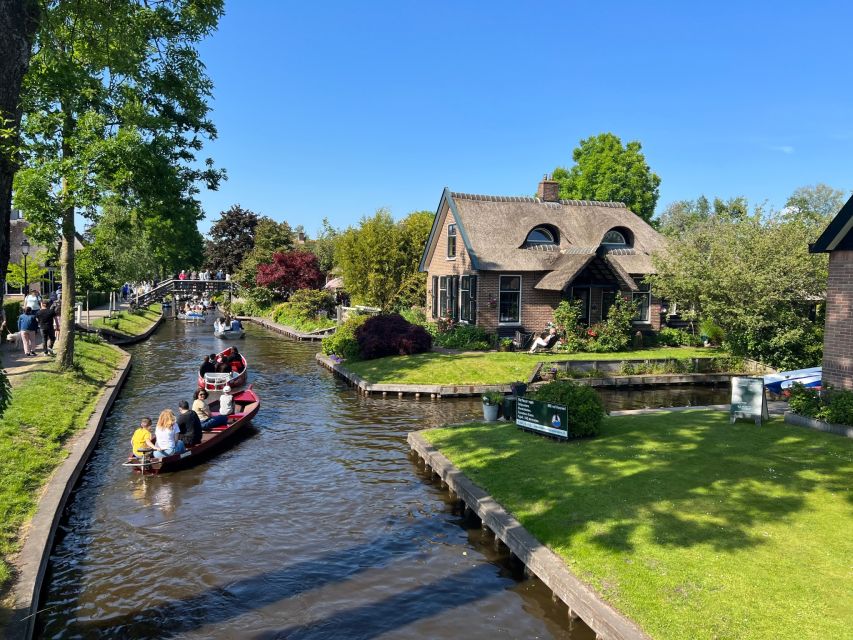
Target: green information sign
{"x":543,"y":417}
{"x":748,"y":399}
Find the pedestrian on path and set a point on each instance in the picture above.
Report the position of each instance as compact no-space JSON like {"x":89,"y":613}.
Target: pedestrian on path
{"x":27,"y":325}
{"x":33,"y":300}
{"x":45,"y":318}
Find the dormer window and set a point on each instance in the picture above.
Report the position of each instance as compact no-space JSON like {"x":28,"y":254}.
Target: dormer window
{"x":614,"y":239}
{"x":451,"y":241}
{"x":541,"y":238}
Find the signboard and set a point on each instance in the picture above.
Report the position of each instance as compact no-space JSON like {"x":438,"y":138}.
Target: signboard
{"x":543,"y":417}
{"x":748,"y":399}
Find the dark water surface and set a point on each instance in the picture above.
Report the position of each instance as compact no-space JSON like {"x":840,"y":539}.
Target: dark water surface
{"x":318,"y":525}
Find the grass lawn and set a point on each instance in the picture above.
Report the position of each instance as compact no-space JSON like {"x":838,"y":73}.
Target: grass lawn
{"x":491,"y":367}
{"x":295,"y":321}
{"x":129,"y":323}
{"x":692,"y":527}
{"x":46,"y":409}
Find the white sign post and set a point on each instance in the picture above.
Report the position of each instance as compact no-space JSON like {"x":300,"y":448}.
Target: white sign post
{"x":748,"y":400}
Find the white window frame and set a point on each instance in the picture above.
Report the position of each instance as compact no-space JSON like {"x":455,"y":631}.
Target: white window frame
{"x":500,"y":290}
{"x":452,"y":233}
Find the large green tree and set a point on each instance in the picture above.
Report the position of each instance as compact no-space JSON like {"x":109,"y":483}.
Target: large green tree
{"x":231,"y":238}
{"x":605,"y":169}
{"x":752,"y":275}
{"x":270,"y":237}
{"x":379,"y":258}
{"x":115,"y":110}
{"x":682,"y":215}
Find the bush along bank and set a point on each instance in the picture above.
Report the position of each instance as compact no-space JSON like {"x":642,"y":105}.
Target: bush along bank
{"x":834,"y":406}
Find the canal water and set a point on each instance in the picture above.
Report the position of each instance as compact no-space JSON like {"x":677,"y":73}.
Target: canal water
{"x":318,"y":524}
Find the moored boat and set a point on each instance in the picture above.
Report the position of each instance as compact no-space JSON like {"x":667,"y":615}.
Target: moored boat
{"x":246,"y":406}
{"x":229,"y":334}
{"x":780,"y":382}
{"x":236,"y":378}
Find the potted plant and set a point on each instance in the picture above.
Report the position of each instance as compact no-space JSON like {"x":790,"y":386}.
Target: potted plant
{"x":506,"y":344}
{"x":491,"y":403}
{"x":518,"y":388}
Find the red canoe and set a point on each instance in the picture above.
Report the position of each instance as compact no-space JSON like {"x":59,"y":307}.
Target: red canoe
{"x":216,"y":381}
{"x":246,"y":405}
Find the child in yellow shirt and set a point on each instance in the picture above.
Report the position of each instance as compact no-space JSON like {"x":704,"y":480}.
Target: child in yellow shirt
{"x":142,"y":437}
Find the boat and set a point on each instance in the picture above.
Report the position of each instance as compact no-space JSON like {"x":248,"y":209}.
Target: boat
{"x":216,"y":381}
{"x":782,"y":381}
{"x":246,"y":406}
{"x":227,"y":333}
{"x":192,"y":315}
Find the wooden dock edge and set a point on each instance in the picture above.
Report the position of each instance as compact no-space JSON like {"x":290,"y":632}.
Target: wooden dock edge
{"x":31,"y":563}
{"x":290,"y":332}
{"x":583,"y":602}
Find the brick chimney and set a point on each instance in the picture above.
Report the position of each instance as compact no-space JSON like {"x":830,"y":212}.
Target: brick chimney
{"x":549,"y":190}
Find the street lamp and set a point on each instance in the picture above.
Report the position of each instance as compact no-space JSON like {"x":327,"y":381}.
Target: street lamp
{"x":25,"y":251}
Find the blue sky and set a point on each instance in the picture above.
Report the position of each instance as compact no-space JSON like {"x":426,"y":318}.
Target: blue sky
{"x":337,"y":108}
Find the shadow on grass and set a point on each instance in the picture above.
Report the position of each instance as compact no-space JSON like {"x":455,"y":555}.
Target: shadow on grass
{"x":689,"y":479}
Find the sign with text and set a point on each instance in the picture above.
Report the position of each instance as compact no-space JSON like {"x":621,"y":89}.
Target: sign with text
{"x":543,"y":417}
{"x":748,"y":399}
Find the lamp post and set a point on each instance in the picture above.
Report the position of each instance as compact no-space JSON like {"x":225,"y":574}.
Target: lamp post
{"x":25,"y":251}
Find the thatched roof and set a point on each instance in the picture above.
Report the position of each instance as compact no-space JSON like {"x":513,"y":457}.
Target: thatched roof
{"x":494,"y":230}
{"x":17,"y":235}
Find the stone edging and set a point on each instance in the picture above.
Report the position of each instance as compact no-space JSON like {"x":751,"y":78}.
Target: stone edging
{"x":582,"y":600}
{"x":811,"y":423}
{"x":142,"y":336}
{"x":31,"y":563}
{"x":290,"y":332}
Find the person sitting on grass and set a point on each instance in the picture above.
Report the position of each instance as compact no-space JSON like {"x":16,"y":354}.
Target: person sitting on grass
{"x":167,"y":434}
{"x":545,"y":343}
{"x":142,"y":438}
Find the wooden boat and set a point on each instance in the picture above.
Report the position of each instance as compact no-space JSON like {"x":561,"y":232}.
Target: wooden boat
{"x":246,"y":406}
{"x":216,"y":381}
{"x":227,"y":333}
{"x":778,"y":383}
{"x":192,"y":315}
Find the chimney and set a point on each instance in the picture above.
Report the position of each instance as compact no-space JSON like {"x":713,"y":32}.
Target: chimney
{"x":549,"y":190}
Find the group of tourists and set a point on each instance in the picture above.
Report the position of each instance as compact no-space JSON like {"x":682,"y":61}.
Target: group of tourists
{"x":38,"y":316}
{"x":204,"y":275}
{"x":177,"y":434}
{"x":227,"y":323}
{"x":221,"y":364}
{"x":131,"y":290}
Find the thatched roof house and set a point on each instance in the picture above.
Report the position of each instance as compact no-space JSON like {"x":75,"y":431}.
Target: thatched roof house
{"x":521,"y":255}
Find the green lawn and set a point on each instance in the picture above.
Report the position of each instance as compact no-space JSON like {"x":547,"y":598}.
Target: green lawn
{"x":45,"y":410}
{"x":129,"y":323}
{"x":490,"y":367}
{"x":692,"y":527}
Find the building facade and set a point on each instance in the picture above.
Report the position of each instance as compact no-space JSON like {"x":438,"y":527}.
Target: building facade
{"x":837,"y":240}
{"x":505,"y":263}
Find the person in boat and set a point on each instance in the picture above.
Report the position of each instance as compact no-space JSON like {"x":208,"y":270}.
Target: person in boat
{"x":236,"y":325}
{"x":226,"y":402}
{"x":142,"y":438}
{"x":167,"y":436}
{"x":203,"y":412}
{"x":208,"y":366}
{"x":188,"y":424}
{"x":222,"y":365}
{"x":235,"y":357}
{"x":219,"y":325}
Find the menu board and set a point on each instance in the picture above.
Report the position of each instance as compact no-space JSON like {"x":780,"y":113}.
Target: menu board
{"x":748,"y":399}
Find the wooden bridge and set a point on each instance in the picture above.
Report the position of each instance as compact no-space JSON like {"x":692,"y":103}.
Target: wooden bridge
{"x":183,"y":289}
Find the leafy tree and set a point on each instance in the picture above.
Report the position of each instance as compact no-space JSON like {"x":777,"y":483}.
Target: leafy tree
{"x":34,"y":272}
{"x":270,"y":237}
{"x":753,"y":277}
{"x":115,"y":109}
{"x":324,"y":246}
{"x":604,"y":169}
{"x":682,"y":215}
{"x":815,"y":206}
{"x":232,"y":237}
{"x":379,"y":259}
{"x":290,"y":271}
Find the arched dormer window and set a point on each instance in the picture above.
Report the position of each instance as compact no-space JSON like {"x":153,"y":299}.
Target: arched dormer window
{"x":543,"y":237}
{"x":617,"y":239}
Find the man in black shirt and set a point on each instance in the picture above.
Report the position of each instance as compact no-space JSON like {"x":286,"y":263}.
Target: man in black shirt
{"x":45,"y":317}
{"x":188,"y":424}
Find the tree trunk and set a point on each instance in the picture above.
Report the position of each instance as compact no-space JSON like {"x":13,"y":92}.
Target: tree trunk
{"x":65,"y":344}
{"x":18,"y":22}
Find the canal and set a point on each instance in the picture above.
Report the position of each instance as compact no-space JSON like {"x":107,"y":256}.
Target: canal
{"x":318,"y":524}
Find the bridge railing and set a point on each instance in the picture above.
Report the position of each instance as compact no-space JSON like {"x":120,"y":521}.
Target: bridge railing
{"x":189,"y":287}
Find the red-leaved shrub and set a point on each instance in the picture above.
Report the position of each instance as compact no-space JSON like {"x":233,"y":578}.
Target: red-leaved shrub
{"x":391,"y":335}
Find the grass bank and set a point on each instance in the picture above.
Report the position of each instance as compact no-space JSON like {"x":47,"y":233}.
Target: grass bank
{"x":692,"y":527}
{"x":490,"y":367}
{"x":130,"y":324}
{"x":46,"y":409}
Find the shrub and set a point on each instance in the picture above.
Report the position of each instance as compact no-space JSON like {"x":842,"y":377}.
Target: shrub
{"x":415,"y":315}
{"x":246,"y":307}
{"x":343,"y":343}
{"x":712,"y":331}
{"x":389,"y":335}
{"x":669,"y":337}
{"x":464,"y":336}
{"x":838,"y":407}
{"x":585,"y":409}
{"x":493,"y":397}
{"x":308,"y":304}
{"x":804,"y":401}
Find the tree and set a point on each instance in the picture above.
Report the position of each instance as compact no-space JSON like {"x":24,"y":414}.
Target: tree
{"x":815,"y":205}
{"x":682,"y":215}
{"x":289,"y":272}
{"x":378,"y":259}
{"x":271,"y":237}
{"x":324,"y":245}
{"x":753,"y":276}
{"x":115,"y":109}
{"x":606,"y":170}
{"x":17,"y":276}
{"x":232,"y":237}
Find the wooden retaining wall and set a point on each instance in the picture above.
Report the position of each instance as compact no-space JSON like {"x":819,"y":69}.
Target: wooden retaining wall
{"x":290,"y":332}
{"x":581,"y":599}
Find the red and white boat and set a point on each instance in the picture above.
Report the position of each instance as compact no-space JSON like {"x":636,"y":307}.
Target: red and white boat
{"x":235,"y":378}
{"x":246,"y":406}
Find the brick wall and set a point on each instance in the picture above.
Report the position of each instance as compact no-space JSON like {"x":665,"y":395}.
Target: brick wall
{"x":838,"y":336}
{"x":440,"y":265}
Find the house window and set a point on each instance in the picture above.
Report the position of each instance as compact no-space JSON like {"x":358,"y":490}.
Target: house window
{"x":468,"y":299}
{"x":614,"y":238}
{"x":643,"y":301}
{"x":442,"y":297}
{"x":451,"y":241}
{"x":434,"y":293}
{"x":608,"y":299}
{"x":509,"y":302}
{"x":582,"y":294}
